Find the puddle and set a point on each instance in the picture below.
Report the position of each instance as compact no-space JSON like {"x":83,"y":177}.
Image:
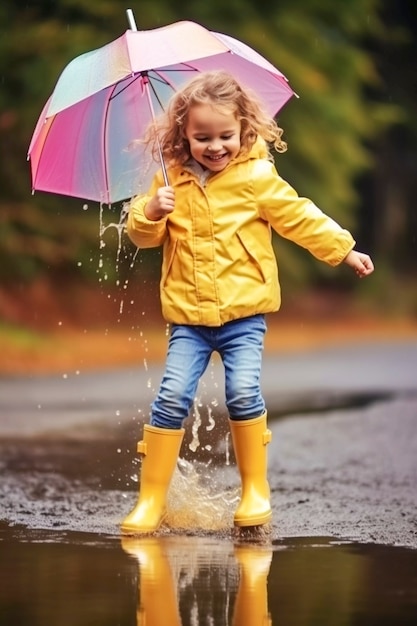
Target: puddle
{"x":81,"y":578}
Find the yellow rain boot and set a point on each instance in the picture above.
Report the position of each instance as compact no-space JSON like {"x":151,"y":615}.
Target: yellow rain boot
{"x":251,"y":606}
{"x":250,"y":438}
{"x":157,"y":601}
{"x":160,"y":448}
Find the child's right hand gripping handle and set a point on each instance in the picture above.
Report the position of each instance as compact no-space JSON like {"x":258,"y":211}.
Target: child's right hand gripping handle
{"x":162,"y":203}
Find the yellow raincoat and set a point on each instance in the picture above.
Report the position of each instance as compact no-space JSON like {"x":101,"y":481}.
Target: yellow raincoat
{"x":218,"y":260}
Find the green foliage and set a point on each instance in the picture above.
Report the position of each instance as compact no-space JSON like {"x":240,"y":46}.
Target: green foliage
{"x":323,"y":46}
{"x":20,"y":337}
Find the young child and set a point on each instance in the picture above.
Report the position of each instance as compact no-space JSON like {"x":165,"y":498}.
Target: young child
{"x":219,"y":275}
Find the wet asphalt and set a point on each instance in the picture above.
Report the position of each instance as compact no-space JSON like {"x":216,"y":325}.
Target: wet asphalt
{"x":342,"y":461}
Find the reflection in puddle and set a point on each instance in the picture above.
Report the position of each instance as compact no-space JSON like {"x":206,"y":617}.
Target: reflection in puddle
{"x":173,"y":571}
{"x":175,"y":580}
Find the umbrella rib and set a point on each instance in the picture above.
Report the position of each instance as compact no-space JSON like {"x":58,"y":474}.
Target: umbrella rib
{"x":158,"y":76}
{"x":185,"y":67}
{"x":155,"y":93}
{"x":41,"y":153}
{"x":119,"y":91}
{"x":104,"y":135}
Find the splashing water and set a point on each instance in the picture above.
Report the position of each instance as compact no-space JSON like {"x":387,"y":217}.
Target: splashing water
{"x":204,"y":501}
{"x":209,"y":404}
{"x":201,"y":500}
{"x":120,"y":228}
{"x":195,"y":427}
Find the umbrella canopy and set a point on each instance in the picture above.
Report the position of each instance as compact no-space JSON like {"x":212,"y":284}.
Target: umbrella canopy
{"x":84,"y":142}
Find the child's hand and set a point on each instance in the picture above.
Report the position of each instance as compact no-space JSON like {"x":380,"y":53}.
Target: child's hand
{"x":360,"y":262}
{"x":161,"y":204}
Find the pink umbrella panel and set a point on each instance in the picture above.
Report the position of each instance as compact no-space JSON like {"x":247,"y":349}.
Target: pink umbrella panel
{"x":85,"y":142}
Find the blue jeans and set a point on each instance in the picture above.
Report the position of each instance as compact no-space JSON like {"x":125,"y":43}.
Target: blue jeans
{"x":240,"y":346}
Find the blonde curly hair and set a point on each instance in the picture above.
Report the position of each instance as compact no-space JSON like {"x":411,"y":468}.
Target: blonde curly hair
{"x":221,"y":90}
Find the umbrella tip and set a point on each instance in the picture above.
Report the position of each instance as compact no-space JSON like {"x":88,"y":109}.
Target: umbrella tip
{"x":131,"y":19}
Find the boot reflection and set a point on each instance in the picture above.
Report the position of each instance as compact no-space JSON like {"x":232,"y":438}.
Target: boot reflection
{"x":200,"y":581}
{"x":157,"y":602}
{"x":251,"y":607}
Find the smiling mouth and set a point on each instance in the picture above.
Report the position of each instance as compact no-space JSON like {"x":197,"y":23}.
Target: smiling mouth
{"x":216,"y":157}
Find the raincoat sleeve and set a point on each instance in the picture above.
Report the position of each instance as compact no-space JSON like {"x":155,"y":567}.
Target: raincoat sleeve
{"x":299,"y":219}
{"x":142,"y":232}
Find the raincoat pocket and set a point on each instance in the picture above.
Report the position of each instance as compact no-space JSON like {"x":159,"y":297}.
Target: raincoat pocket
{"x":256,"y":255}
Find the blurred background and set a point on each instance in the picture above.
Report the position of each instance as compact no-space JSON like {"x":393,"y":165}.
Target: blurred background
{"x":69,"y":280}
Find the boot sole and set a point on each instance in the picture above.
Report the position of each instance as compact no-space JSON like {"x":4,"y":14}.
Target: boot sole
{"x":131,"y":530}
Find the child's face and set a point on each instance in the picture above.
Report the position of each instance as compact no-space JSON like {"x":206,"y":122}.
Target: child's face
{"x":213,"y":135}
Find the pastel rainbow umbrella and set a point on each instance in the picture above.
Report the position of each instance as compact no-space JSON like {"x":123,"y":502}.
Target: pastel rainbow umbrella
{"x":85,"y":142}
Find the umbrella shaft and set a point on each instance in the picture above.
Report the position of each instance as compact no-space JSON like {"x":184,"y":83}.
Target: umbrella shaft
{"x":161,"y":157}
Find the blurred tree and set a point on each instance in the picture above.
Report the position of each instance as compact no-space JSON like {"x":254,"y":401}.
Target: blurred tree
{"x":331,"y":50}
{"x":391,"y":187}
